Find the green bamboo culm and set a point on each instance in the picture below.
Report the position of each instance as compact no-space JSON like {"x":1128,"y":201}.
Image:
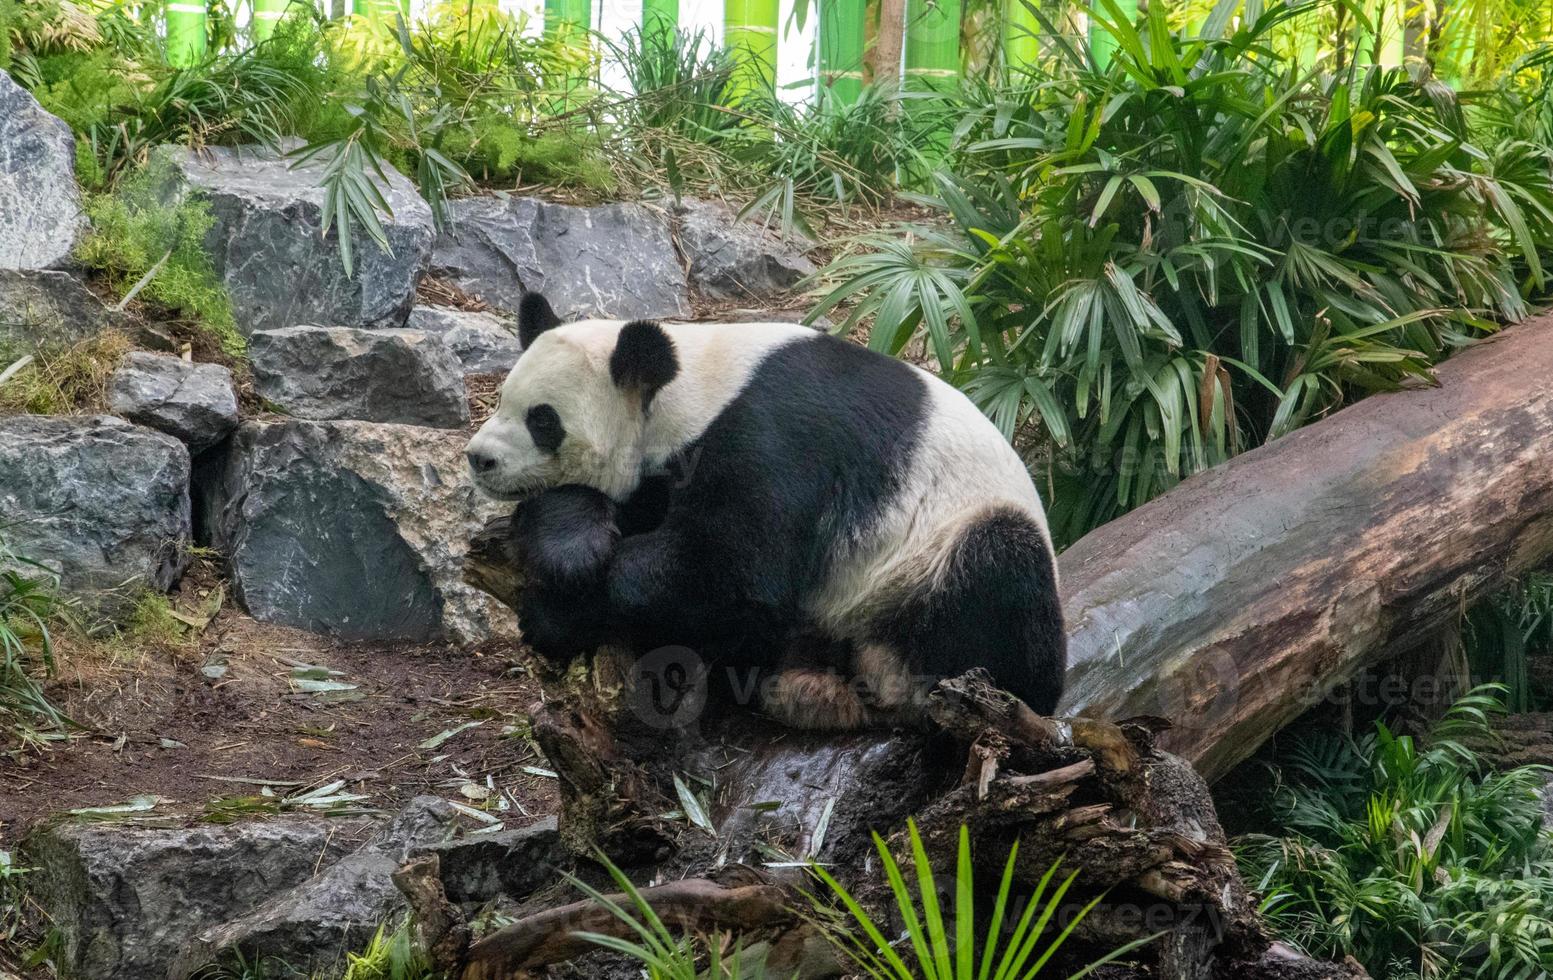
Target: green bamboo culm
{"x":1390,"y":21}
{"x":750,"y":32}
{"x":841,"y":30}
{"x":932,"y":44}
{"x":266,"y":14}
{"x":566,"y":17}
{"x":660,"y":17}
{"x":1021,"y":37}
{"x":382,"y":11}
{"x":1101,"y":42}
{"x":1307,"y":42}
{"x":186,"y":34}
{"x":1461,"y":46}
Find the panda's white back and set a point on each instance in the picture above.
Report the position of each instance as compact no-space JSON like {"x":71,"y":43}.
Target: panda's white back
{"x":960,"y":466}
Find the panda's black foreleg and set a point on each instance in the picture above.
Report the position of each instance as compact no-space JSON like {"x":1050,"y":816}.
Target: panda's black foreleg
{"x":564,"y":540}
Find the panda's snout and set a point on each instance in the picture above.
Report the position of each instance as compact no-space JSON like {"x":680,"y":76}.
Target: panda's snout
{"x":480,"y":462}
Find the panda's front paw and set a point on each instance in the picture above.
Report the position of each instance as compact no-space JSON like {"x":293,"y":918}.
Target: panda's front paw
{"x":565,"y":536}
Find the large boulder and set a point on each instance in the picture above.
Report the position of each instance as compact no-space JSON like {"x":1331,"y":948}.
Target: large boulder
{"x":40,"y":202}
{"x":614,"y":260}
{"x":47,"y":307}
{"x":311,"y":926}
{"x":510,"y":864}
{"x":267,"y":246}
{"x":102,"y":502}
{"x":125,"y":900}
{"x":357,"y":529}
{"x":192,"y":402}
{"x":326,"y":373}
{"x":483,"y":342}
{"x":733,"y":260}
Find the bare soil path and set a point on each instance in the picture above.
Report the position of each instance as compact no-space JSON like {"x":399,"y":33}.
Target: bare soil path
{"x":231,"y":721}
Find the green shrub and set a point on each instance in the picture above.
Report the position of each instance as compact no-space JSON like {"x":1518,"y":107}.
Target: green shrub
{"x":28,"y":604}
{"x":678,"y":83}
{"x":391,"y":955}
{"x":135,"y":230}
{"x":1150,"y":268}
{"x":940,"y":948}
{"x":950,"y":948}
{"x":1415,"y":859}
{"x":1504,"y":632}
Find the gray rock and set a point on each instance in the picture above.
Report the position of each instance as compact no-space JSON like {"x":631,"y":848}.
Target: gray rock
{"x":734,"y":260}
{"x":509,"y":864}
{"x":484,"y":342}
{"x":615,"y":260}
{"x":327,"y":373}
{"x":102,"y":502}
{"x":40,"y":202}
{"x":311,"y":926}
{"x":268,"y":251}
{"x":46,"y":307}
{"x":192,"y":402}
{"x":358,"y":529}
{"x":126,"y":899}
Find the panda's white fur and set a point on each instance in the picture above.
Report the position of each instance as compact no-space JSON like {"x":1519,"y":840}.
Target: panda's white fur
{"x":570,"y":366}
{"x":960,"y":475}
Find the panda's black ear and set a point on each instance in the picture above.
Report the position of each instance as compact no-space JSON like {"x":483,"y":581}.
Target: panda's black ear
{"x":644,"y":359}
{"x":534,"y":317}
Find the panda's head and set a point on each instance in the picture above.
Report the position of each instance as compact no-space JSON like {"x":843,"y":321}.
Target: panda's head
{"x":574,"y":407}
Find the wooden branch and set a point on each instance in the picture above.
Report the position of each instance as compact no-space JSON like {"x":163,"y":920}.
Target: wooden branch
{"x":743,"y":901}
{"x":1238,"y":600}
{"x":440,"y":926}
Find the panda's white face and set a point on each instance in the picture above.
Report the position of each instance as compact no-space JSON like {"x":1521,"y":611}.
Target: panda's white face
{"x":561,"y":419}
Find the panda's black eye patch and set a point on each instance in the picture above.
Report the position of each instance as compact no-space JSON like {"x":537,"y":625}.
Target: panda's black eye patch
{"x":545,"y":428}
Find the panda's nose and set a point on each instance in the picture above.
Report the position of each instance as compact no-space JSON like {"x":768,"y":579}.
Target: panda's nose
{"x":480,"y":462}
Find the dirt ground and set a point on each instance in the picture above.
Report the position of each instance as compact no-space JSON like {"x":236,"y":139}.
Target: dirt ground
{"x":240,"y":718}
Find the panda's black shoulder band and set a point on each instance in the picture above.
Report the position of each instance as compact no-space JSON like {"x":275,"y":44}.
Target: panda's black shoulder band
{"x":644,"y":359}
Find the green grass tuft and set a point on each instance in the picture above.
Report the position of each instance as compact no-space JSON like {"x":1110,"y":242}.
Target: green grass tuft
{"x":135,"y":229}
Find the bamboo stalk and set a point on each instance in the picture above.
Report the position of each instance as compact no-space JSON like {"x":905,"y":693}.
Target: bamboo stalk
{"x":750,"y":31}
{"x":1307,"y":41}
{"x":932,"y":44}
{"x":1390,"y":26}
{"x":660,"y":16}
{"x":266,"y":14}
{"x":1460,"y":44}
{"x":841,"y":48}
{"x":1021,"y":37}
{"x":1101,"y":43}
{"x":569,"y":16}
{"x":186,"y":32}
{"x":381,"y":11}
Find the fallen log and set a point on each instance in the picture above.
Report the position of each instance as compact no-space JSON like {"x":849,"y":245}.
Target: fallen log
{"x":1242,"y":598}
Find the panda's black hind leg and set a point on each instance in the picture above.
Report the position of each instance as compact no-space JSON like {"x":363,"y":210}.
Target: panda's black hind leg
{"x":994,"y":605}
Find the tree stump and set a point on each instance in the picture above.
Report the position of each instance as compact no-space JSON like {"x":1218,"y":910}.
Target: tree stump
{"x":721,"y":810}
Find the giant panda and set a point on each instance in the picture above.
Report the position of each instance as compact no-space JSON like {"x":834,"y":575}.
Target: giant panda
{"x":843,"y":518}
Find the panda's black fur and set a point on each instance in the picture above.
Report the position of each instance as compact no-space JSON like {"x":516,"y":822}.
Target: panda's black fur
{"x":721,"y":555}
